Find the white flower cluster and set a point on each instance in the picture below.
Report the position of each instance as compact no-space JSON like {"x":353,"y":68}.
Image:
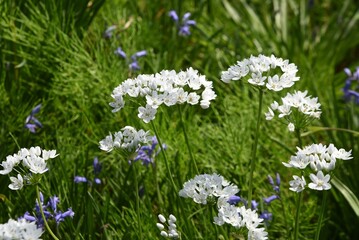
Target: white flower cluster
{"x":319,"y":158}
{"x":299,"y":100}
{"x":166,"y":87}
{"x":19,"y":230}
{"x":129,"y":138}
{"x":33,"y":159}
{"x":212,"y":186}
{"x":171,"y":224}
{"x":256,"y":66}
{"x":207,"y":186}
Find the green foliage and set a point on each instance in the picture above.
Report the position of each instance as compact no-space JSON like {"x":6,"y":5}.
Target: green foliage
{"x":54,"y":53}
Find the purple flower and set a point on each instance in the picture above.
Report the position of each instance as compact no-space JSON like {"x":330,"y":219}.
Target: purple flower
{"x":352,"y":79}
{"x":267,"y":216}
{"x":268,"y":200}
{"x":79,"y":179}
{"x":276,"y":186}
{"x":254,"y":204}
{"x":184,"y":25}
{"x":233,"y":200}
{"x":50,"y":212}
{"x":148,"y":153}
{"x":108,"y":32}
{"x":133,"y":63}
{"x":31,"y":122}
{"x":96,"y":170}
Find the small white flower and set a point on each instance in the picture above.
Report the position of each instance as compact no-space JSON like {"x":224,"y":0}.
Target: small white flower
{"x":171,"y":231}
{"x":17,"y":183}
{"x":147,"y":113}
{"x":291,"y":127}
{"x":20,"y":229}
{"x":107,"y":143}
{"x":319,"y":181}
{"x":298,"y":184}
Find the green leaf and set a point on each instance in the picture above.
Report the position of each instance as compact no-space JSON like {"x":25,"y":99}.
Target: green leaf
{"x":347,"y":194}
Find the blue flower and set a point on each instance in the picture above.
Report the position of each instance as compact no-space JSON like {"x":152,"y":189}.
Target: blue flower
{"x":352,"y":78}
{"x":233,"y":200}
{"x":148,"y":153}
{"x":50,"y":212}
{"x":31,"y":122}
{"x":276,"y":186}
{"x":96,"y":170}
{"x":108,"y":32}
{"x":133,"y":62}
{"x":184,"y":25}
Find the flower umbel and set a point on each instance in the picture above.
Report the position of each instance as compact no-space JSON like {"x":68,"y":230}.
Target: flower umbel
{"x":255,"y":67}
{"x":168,"y":88}
{"x":34,"y":160}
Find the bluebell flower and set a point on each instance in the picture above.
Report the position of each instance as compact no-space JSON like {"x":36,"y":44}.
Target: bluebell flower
{"x":50,"y":212}
{"x":233,"y":200}
{"x":269,"y":199}
{"x":266,"y":216}
{"x":351,"y":94}
{"x":31,"y":122}
{"x":148,"y":153}
{"x":133,"y":62}
{"x":276,"y":186}
{"x":109,"y":31}
{"x":184,"y":25}
{"x":96,"y":170}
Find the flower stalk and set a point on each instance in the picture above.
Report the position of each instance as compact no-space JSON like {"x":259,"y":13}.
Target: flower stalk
{"x":254,"y":149}
{"x":321,"y":216}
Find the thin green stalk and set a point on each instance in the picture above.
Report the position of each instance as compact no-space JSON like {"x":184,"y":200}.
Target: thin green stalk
{"x":164,"y":156}
{"x":159,"y":196}
{"x":42,"y":213}
{"x":299,"y":201}
{"x":254,"y":149}
{"x":285,"y":217}
{"x":187,"y":141}
{"x":296,"y":226}
{"x":321,"y":216}
{"x":138,"y":202}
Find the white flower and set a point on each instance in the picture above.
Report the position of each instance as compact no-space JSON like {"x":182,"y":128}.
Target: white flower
{"x":147,"y":113}
{"x":9,"y":164}
{"x":166,"y":87}
{"x":129,"y":138}
{"x":300,"y":161}
{"x":107,"y":144}
{"x":171,"y":225}
{"x":256,"y":66}
{"x":229,"y":214}
{"x":298,"y":184}
{"x":16,"y":183}
{"x":20,"y":229}
{"x":291,"y":127}
{"x":36,"y":164}
{"x":204,"y":186}
{"x":270,"y":114}
{"x":319,"y":181}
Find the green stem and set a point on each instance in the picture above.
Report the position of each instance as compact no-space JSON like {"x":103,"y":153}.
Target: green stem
{"x":154,"y":168}
{"x":285,"y":218}
{"x":321,"y":216}
{"x":254,"y":149}
{"x":43,"y":215}
{"x":296,"y":225}
{"x":164,"y":156}
{"x":186,"y":139}
{"x":138,"y":202}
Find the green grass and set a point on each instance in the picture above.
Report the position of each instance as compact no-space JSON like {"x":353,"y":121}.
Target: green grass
{"x":56,"y":55}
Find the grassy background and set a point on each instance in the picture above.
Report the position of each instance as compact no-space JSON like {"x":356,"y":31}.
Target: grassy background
{"x":55,"y":54}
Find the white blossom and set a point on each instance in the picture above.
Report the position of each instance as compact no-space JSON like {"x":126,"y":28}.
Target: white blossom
{"x":20,"y":229}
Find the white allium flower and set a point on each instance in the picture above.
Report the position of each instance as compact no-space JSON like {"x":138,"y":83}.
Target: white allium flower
{"x":129,"y":138}
{"x":228,"y":213}
{"x":16,"y":183}
{"x":256,"y":66}
{"x":319,"y":181}
{"x":167,"y":87}
{"x":298,"y":184}
{"x":20,"y":229}
{"x":33,"y":159}
{"x":299,"y":101}
{"x":171,"y":225}
{"x":204,"y":186}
